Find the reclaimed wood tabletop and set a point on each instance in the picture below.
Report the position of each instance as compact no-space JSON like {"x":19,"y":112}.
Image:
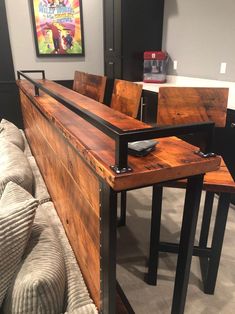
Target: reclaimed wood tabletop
{"x":172,"y":158}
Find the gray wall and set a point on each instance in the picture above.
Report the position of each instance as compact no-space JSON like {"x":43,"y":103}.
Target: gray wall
{"x":200,"y":34}
{"x":23,"y":47}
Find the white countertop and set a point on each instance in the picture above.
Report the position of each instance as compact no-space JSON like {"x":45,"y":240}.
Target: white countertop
{"x":193,"y":82}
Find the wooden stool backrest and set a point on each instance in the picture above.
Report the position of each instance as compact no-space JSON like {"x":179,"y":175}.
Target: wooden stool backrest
{"x":185,"y":105}
{"x":126,"y":97}
{"x":90,"y":85}
{"x":79,"y":82}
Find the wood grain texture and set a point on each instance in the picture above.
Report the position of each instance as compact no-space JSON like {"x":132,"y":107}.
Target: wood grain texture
{"x":74,"y":189}
{"x":116,"y":118}
{"x":219,"y":181}
{"x":172,"y":159}
{"x":178,"y":105}
{"x":183,"y":105}
{"x":126,"y":97}
{"x":79,"y":82}
{"x":90,"y":85}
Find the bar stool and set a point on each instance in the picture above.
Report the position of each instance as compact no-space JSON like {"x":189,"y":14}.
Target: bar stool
{"x":79,"y":82}
{"x":126,"y":99}
{"x":90,"y":85}
{"x":179,"y":105}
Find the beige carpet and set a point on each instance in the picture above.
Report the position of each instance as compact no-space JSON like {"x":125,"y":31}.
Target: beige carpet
{"x":133,"y":246}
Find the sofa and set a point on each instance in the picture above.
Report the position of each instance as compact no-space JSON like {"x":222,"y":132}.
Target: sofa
{"x":38,"y":270}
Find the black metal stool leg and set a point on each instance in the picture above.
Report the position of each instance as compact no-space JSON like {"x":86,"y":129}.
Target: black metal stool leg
{"x":151,"y":277}
{"x":122,"y":219}
{"x":191,"y":208}
{"x":217,"y":243}
{"x":206,"y":219}
{"x":205,"y":228}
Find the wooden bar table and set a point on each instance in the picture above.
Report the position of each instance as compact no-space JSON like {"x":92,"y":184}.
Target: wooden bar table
{"x":76,"y":156}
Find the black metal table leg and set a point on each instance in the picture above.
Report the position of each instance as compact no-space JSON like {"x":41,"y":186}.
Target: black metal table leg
{"x":217,"y":243}
{"x":122,"y":219}
{"x":151,"y":277}
{"x":191,"y":208}
{"x":108,"y":238}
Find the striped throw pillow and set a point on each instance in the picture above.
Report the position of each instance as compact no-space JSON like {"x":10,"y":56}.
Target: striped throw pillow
{"x":17,"y":211}
{"x":77,"y":296}
{"x":39,"y":285}
{"x":14,"y":167}
{"x":86,"y":309}
{"x":11,"y":133}
{"x":40,"y":190}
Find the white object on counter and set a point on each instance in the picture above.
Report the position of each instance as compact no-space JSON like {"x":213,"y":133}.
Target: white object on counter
{"x":184,"y":81}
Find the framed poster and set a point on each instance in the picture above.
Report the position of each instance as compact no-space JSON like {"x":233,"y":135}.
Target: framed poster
{"x":58,"y":27}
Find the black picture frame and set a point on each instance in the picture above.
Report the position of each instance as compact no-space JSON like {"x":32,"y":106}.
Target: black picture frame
{"x":58,"y":28}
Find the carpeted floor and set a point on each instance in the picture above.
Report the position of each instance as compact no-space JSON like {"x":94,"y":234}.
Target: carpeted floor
{"x":133,"y":246}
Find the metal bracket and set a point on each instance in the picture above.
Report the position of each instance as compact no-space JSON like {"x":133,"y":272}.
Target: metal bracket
{"x":204,"y":155}
{"x":119,"y":170}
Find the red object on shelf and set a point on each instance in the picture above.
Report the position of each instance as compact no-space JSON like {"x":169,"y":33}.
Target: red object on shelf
{"x":155,"y":63}
{"x":155,"y":55}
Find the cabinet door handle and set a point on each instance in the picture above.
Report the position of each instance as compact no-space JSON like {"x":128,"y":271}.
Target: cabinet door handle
{"x":233,"y":125}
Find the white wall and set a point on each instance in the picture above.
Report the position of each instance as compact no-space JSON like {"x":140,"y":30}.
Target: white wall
{"x":200,"y":35}
{"x":23,"y":46}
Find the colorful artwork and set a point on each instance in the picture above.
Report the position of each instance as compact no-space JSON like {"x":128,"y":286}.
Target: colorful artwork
{"x":58,"y":27}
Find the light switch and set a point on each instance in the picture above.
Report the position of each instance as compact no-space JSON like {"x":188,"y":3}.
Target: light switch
{"x":223,"y":67}
{"x":175,"y":64}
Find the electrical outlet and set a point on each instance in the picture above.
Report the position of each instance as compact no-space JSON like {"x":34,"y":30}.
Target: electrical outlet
{"x":175,"y":64}
{"x":223,"y":67}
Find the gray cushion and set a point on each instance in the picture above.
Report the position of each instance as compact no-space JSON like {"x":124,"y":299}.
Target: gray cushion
{"x":27,"y":149}
{"x":14,"y":166}
{"x":40,"y":191}
{"x":77,"y":296}
{"x":11,"y":133}
{"x":39,"y":285}
{"x":86,"y":309}
{"x":17,"y":211}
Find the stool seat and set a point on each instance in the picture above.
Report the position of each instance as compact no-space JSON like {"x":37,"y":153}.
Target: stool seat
{"x":214,"y":181}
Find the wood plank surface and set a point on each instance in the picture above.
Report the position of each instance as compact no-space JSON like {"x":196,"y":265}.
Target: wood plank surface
{"x":178,"y":105}
{"x":184,"y":105}
{"x":126,"y":97}
{"x":90,"y":85}
{"x":214,"y":181}
{"x":172,"y":159}
{"x":116,"y":118}
{"x":79,"y":82}
{"x":74,"y":189}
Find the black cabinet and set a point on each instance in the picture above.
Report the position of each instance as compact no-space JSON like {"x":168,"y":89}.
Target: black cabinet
{"x":130,"y":28}
{"x":224,"y":143}
{"x":9,"y":108}
{"x":149,"y":107}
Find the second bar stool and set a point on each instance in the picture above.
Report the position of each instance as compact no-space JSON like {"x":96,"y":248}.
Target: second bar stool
{"x":126,"y":99}
{"x":179,"y":105}
{"x":90,"y":85}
